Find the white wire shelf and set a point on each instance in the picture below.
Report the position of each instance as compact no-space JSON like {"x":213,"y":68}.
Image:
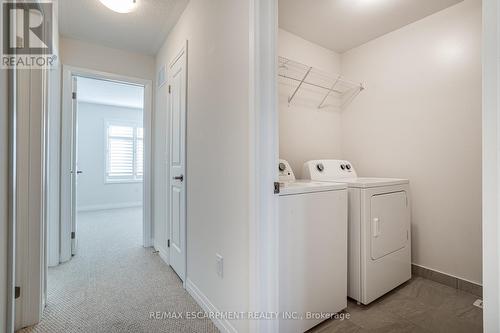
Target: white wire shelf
{"x":330,"y":84}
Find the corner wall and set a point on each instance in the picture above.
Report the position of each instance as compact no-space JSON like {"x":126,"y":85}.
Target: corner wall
{"x":420,"y":118}
{"x":217,"y":147}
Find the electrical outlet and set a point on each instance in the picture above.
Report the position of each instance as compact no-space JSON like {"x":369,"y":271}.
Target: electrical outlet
{"x":219,"y":265}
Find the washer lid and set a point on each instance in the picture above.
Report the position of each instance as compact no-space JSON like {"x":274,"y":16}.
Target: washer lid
{"x":307,"y":186}
{"x":365,"y":182}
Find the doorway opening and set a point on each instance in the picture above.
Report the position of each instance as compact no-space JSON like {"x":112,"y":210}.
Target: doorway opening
{"x":105,"y":159}
{"x":106,"y":155}
{"x":342,"y":120}
{"x":104,"y":165}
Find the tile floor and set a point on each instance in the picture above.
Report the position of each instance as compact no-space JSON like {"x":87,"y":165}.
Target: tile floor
{"x":419,"y":305}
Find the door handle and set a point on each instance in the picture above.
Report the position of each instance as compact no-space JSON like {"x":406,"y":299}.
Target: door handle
{"x":79,"y":172}
{"x":179,"y":178}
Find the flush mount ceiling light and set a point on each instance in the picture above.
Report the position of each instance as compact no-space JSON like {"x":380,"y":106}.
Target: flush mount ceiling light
{"x":368,"y":3}
{"x":120,"y":6}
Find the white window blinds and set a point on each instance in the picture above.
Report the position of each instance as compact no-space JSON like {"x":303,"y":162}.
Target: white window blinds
{"x":125,"y":152}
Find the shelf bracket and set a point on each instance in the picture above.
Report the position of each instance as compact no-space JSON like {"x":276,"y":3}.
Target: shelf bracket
{"x":298,"y":87}
{"x":329,"y":92}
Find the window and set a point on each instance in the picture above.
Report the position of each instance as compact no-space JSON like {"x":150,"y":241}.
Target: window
{"x":125,"y":152}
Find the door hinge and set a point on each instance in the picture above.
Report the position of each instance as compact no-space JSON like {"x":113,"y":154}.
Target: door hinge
{"x":73,"y":235}
{"x":74,"y":95}
{"x":276,"y":188}
{"x":168,"y":243}
{"x":169,"y":89}
{"x":17,"y":292}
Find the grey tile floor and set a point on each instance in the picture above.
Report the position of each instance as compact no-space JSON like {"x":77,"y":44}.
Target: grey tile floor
{"x":420,"y":305}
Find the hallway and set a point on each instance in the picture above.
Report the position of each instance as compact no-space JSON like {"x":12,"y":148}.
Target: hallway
{"x":113,"y":283}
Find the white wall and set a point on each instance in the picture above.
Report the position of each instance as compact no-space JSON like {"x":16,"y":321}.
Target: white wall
{"x":92,"y":56}
{"x":307,"y":132}
{"x":420,"y":118}
{"x":4,"y":157}
{"x":93,"y":192}
{"x":217,"y":146}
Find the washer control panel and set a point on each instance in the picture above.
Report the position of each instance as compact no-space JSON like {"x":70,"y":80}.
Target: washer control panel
{"x":328,"y":170}
{"x":285,"y":171}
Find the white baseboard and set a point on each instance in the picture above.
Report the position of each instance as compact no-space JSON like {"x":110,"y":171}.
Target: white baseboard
{"x":110,"y":206}
{"x":163,"y":254}
{"x":222,"y":324}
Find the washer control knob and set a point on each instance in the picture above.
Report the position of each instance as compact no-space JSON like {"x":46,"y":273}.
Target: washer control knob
{"x":320,"y":167}
{"x":348,"y":166}
{"x":282,"y":167}
{"x":342,"y":166}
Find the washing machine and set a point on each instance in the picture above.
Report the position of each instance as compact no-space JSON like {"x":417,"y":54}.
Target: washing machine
{"x":379,"y":245}
{"x":312,"y":251}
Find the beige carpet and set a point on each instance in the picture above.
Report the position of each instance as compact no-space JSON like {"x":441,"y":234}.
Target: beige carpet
{"x":113,"y":283}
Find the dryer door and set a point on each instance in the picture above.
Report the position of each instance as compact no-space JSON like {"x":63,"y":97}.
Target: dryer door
{"x":389,"y":223}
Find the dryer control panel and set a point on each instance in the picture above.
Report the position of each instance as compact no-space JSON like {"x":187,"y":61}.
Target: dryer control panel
{"x":285,"y":171}
{"x":328,"y":170}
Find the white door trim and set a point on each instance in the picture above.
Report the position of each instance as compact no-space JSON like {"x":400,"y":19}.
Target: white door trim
{"x":29,"y":187}
{"x":11,"y":204}
{"x":68,"y":73}
{"x":74,"y":161}
{"x":263,"y":128}
{"x":491,"y":166}
{"x":26,"y":266}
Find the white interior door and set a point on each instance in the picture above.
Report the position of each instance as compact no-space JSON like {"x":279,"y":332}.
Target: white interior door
{"x":177,"y":164}
{"x":74,"y":164}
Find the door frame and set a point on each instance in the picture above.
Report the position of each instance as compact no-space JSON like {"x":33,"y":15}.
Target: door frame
{"x":183,"y":52}
{"x":68,"y":73}
{"x":491,"y":165}
{"x":12,"y":201}
{"x":263,"y":213}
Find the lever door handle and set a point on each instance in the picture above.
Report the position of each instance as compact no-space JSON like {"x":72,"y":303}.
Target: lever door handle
{"x":180,"y":178}
{"x":79,"y":172}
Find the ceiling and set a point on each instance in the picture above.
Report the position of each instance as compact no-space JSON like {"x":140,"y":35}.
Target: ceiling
{"x":110,"y":93}
{"x":341,"y":25}
{"x":142,"y":30}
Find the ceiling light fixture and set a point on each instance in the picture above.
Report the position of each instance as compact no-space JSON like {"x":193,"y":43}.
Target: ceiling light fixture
{"x":369,"y":3}
{"x":120,"y":6}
